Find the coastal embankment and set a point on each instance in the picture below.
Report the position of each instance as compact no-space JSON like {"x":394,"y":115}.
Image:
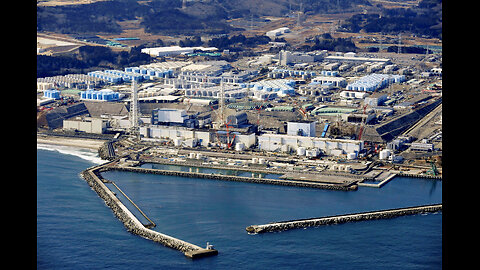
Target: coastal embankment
{"x":339,"y":219}
{"x":133,"y":225}
{"x":70,"y":141}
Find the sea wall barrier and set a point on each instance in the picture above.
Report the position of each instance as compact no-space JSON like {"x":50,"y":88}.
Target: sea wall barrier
{"x":133,"y":225}
{"x":436,"y":177}
{"x":339,"y":219}
{"x":296,"y":183}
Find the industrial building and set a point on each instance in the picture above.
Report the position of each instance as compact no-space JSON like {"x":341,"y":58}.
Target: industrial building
{"x":237,"y":120}
{"x":301,"y":129}
{"x":353,"y":95}
{"x":231,"y":91}
{"x":162,"y":116}
{"x":174,"y":50}
{"x":287,"y":57}
{"x":182,"y":136}
{"x":86,"y":124}
{"x":351,"y":57}
{"x":335,"y":81}
{"x":376,"y":99}
{"x":272,"y":34}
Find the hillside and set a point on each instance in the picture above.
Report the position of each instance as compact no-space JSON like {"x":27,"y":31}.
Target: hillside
{"x":168,"y":16}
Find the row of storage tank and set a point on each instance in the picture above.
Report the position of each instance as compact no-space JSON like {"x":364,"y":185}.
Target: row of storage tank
{"x":130,"y":73}
{"x":375,"y":81}
{"x":315,"y":152}
{"x":51,"y":93}
{"x":102,"y":95}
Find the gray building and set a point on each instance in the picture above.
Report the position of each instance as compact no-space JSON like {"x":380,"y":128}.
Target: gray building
{"x":301,"y":129}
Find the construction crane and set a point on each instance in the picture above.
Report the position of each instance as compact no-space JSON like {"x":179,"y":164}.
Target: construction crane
{"x":359,"y":137}
{"x":300,"y":109}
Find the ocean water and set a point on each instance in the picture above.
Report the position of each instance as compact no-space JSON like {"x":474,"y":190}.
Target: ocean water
{"x":76,"y":230}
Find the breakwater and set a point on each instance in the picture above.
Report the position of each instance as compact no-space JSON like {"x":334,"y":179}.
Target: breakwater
{"x":132,"y":224}
{"x":297,"y":183}
{"x":339,"y":219}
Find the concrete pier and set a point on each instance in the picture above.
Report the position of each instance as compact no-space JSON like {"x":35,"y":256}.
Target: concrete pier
{"x":303,"y":223}
{"x":132,"y":224}
{"x":298,"y":183}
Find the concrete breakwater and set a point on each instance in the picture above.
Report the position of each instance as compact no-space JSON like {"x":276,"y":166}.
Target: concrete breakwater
{"x":310,"y":184}
{"x":132,"y":224}
{"x":339,"y":219}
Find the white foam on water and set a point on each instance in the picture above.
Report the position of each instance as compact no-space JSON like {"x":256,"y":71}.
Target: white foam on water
{"x":86,"y":154}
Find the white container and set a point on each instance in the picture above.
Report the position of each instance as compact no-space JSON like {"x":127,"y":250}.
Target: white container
{"x":301,"y":151}
{"x":254,"y":160}
{"x":311,"y":152}
{"x":177,"y":141}
{"x":384,"y":154}
{"x":199,"y":156}
{"x":261,"y":161}
{"x":239,"y":146}
{"x":352,"y":155}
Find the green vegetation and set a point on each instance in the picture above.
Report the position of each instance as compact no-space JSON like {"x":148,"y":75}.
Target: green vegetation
{"x":167,"y":16}
{"x":89,"y":58}
{"x":237,"y":42}
{"x":327,"y":42}
{"x":425,"y":19}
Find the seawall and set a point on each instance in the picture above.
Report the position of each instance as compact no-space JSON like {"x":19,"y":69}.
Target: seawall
{"x":339,"y":219}
{"x":133,"y":225}
{"x":296,"y":183}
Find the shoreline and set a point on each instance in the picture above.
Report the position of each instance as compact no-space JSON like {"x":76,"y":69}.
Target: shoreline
{"x":92,"y":144}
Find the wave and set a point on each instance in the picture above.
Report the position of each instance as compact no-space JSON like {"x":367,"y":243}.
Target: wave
{"x":86,"y":154}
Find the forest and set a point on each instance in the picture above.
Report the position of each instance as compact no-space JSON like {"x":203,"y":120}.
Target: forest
{"x":425,"y":20}
{"x":89,"y":58}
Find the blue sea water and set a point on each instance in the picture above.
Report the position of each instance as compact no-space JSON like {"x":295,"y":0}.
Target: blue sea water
{"x":76,"y":230}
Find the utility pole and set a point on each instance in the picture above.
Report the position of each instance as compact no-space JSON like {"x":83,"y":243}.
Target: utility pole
{"x":399,"y":43}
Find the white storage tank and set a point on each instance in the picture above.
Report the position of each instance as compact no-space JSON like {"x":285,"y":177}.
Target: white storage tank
{"x":311,"y":152}
{"x":301,"y":151}
{"x":199,"y":156}
{"x":352,"y":155}
{"x":384,"y":154}
{"x":191,"y":155}
{"x":254,"y":160}
{"x":177,"y":141}
{"x":261,"y":161}
{"x":239,"y":146}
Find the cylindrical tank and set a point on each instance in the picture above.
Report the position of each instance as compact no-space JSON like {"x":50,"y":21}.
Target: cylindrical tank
{"x":352,"y":155}
{"x":239,"y":146}
{"x":384,"y":154}
{"x":191,"y":155}
{"x":177,"y":141}
{"x":199,"y":155}
{"x":254,"y":160}
{"x":261,"y":161}
{"x":301,"y":151}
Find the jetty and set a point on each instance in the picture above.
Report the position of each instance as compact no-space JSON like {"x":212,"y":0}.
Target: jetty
{"x":339,"y":219}
{"x":133,"y":225}
{"x":345,"y":186}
